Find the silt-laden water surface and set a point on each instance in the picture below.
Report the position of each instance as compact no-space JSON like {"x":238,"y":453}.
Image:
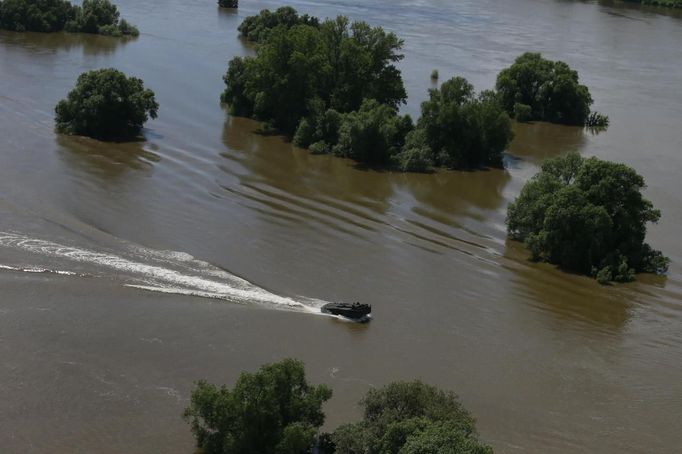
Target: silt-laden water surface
{"x":127,"y":271}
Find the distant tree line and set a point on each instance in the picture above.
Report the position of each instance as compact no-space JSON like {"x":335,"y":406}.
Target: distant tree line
{"x":276,"y":411}
{"x":93,"y":16}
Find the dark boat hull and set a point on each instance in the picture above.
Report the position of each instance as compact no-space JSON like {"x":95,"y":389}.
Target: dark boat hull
{"x":355,"y":311}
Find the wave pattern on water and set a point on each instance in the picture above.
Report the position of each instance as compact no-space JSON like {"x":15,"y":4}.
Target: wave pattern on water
{"x":157,"y":271}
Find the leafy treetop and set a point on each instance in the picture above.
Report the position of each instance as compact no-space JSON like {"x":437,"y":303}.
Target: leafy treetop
{"x":550,"y":89}
{"x":105,"y":104}
{"x":93,"y":16}
{"x":587,"y":216}
{"x":410,"y":418}
{"x":272,"y":411}
{"x":257,"y":28}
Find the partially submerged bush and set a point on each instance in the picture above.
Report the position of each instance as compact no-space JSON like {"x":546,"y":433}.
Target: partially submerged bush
{"x":93,"y":16}
{"x":597,"y":120}
{"x":272,"y":411}
{"x":105,"y":104}
{"x":257,"y":28}
{"x":550,"y":88}
{"x":587,"y":216}
{"x":462,"y":129}
{"x":410,"y":417}
{"x":228,"y":3}
{"x":35,"y":15}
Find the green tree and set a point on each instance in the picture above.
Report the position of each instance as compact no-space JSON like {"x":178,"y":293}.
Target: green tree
{"x":272,"y":411}
{"x":410,"y":417}
{"x":462,"y":129}
{"x":35,"y":15}
{"x":257,"y":28}
{"x":587,"y":216}
{"x":228,"y":3}
{"x":302,"y":70}
{"x":373,"y":134}
{"x":93,"y":16}
{"x":442,"y":438}
{"x":105,"y":104}
{"x":550,"y":88}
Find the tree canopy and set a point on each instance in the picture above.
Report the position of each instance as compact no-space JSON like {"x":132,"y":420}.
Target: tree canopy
{"x":272,"y":411}
{"x":276,"y":411}
{"x":545,"y":90}
{"x":587,"y":216}
{"x":106,"y":104}
{"x":93,"y":16}
{"x":257,"y":28}
{"x":336,"y":65}
{"x":335,"y":88}
{"x":462,"y":129}
{"x":410,"y":418}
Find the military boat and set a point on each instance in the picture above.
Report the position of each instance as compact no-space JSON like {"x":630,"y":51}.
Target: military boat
{"x":354,"y":311}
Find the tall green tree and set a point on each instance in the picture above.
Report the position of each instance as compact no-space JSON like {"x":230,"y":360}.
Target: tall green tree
{"x":410,"y":418}
{"x":303,"y":69}
{"x":257,"y":28}
{"x":551,"y":89}
{"x":106,"y":104}
{"x":462,"y":129}
{"x":587,"y":216}
{"x":35,"y":15}
{"x":272,"y":411}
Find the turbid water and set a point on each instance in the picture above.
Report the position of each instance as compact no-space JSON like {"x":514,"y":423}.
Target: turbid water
{"x":127,"y":271}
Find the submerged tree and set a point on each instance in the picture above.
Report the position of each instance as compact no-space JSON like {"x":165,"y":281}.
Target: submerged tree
{"x":93,"y":16}
{"x":410,"y":418}
{"x":257,"y":28}
{"x":545,"y":90}
{"x":587,"y":216}
{"x":36,"y":15}
{"x":462,"y":129}
{"x":272,"y":411}
{"x":105,"y":104}
{"x":306,"y":69}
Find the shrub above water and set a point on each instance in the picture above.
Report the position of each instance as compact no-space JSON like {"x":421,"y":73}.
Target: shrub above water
{"x":36,"y":15}
{"x":550,"y":88}
{"x":272,"y":411}
{"x":587,"y":216}
{"x":105,"y":104}
{"x":257,"y":28}
{"x":93,"y":16}
{"x":228,"y":3}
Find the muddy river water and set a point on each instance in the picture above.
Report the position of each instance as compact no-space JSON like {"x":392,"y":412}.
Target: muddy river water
{"x":127,"y":271}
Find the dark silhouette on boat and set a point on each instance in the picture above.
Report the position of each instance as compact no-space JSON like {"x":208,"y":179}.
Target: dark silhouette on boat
{"x":354,"y":311}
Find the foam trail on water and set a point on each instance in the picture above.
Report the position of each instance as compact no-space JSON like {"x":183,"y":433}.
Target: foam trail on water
{"x":197,"y":278}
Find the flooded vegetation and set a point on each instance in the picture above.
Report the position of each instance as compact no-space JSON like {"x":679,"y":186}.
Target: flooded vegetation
{"x":206,"y":247}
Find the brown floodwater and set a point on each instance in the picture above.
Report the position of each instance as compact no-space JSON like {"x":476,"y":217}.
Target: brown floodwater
{"x":127,"y":271}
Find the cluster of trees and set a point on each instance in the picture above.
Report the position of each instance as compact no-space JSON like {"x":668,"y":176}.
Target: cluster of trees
{"x":93,"y":16}
{"x":334,"y":87}
{"x":106,"y":104}
{"x":587,"y":216}
{"x":276,"y":411}
{"x":534,"y":88}
{"x":257,"y":28}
